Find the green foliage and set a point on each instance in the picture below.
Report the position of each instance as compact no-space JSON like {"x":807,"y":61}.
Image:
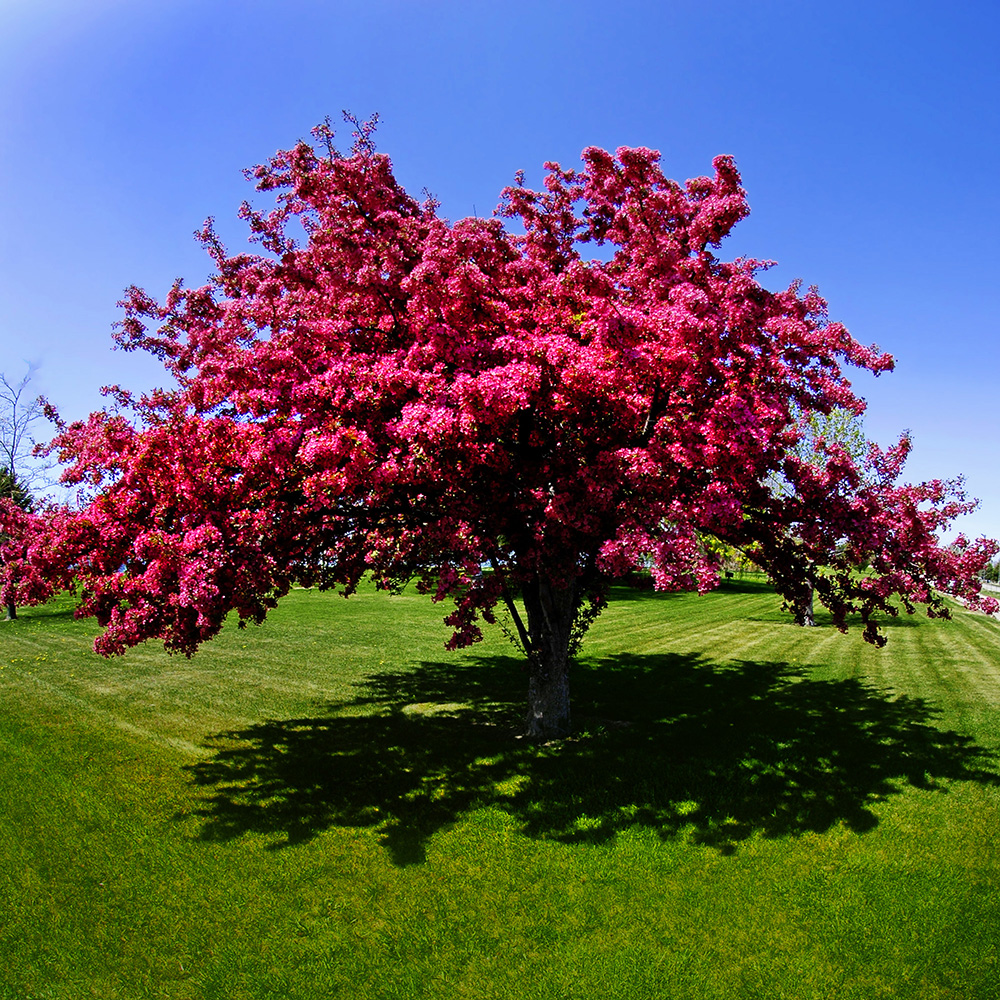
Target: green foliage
{"x":730,"y":560}
{"x":330,"y":806}
{"x":11,"y":488}
{"x":840,"y":426}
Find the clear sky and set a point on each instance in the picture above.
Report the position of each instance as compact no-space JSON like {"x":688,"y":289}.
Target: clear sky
{"x":867,"y":135}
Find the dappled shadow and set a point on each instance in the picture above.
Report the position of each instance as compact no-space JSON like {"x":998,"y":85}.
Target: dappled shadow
{"x":626,"y":594}
{"x":43,"y":614}
{"x":824,"y":619}
{"x":631,"y":593}
{"x":668,"y":742}
{"x":746,"y":585}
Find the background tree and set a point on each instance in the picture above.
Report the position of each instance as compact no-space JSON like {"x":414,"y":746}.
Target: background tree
{"x":728,"y":558}
{"x":411,"y":398}
{"x":20,"y":415}
{"x":822,"y":437}
{"x":19,"y":473}
{"x":13,"y":491}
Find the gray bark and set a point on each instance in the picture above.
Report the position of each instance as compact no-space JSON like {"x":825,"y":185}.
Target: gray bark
{"x":808,"y":615}
{"x":551,"y":612}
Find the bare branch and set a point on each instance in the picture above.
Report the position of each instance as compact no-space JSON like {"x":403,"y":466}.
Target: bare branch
{"x":19,"y":413}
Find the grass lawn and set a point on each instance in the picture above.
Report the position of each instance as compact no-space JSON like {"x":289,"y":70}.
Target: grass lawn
{"x":332,"y":805}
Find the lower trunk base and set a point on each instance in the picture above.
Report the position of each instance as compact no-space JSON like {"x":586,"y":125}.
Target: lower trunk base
{"x":548,"y":715}
{"x":551,"y":613}
{"x":808,"y":614}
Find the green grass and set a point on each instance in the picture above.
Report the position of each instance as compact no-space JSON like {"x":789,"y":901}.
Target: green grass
{"x":332,"y":805}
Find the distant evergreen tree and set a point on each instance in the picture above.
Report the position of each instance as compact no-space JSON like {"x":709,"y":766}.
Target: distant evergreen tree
{"x":13,"y":489}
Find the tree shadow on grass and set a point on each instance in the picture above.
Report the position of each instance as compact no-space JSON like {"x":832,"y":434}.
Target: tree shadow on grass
{"x":667,"y":742}
{"x":28,"y":617}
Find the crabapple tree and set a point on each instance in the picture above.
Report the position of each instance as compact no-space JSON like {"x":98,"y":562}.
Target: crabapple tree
{"x":489,"y":408}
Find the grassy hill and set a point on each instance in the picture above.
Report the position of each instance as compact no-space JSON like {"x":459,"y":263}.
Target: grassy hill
{"x":332,"y":805}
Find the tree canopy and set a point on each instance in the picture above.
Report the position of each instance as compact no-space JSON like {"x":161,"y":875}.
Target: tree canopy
{"x":489,"y":407}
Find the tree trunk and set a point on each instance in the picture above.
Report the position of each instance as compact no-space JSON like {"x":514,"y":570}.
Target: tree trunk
{"x":551,"y":612}
{"x":11,"y":612}
{"x":808,"y":616}
{"x":548,"y":715}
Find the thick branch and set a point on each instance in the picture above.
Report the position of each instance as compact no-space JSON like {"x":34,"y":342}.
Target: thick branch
{"x":656,"y":406}
{"x":512,"y":608}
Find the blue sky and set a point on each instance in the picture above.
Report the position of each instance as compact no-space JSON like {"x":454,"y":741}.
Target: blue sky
{"x":867,"y":135}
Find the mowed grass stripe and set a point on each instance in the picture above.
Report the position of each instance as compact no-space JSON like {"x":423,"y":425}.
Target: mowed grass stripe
{"x":103,"y":716}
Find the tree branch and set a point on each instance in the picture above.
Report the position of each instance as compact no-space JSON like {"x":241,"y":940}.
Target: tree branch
{"x":522,"y":632}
